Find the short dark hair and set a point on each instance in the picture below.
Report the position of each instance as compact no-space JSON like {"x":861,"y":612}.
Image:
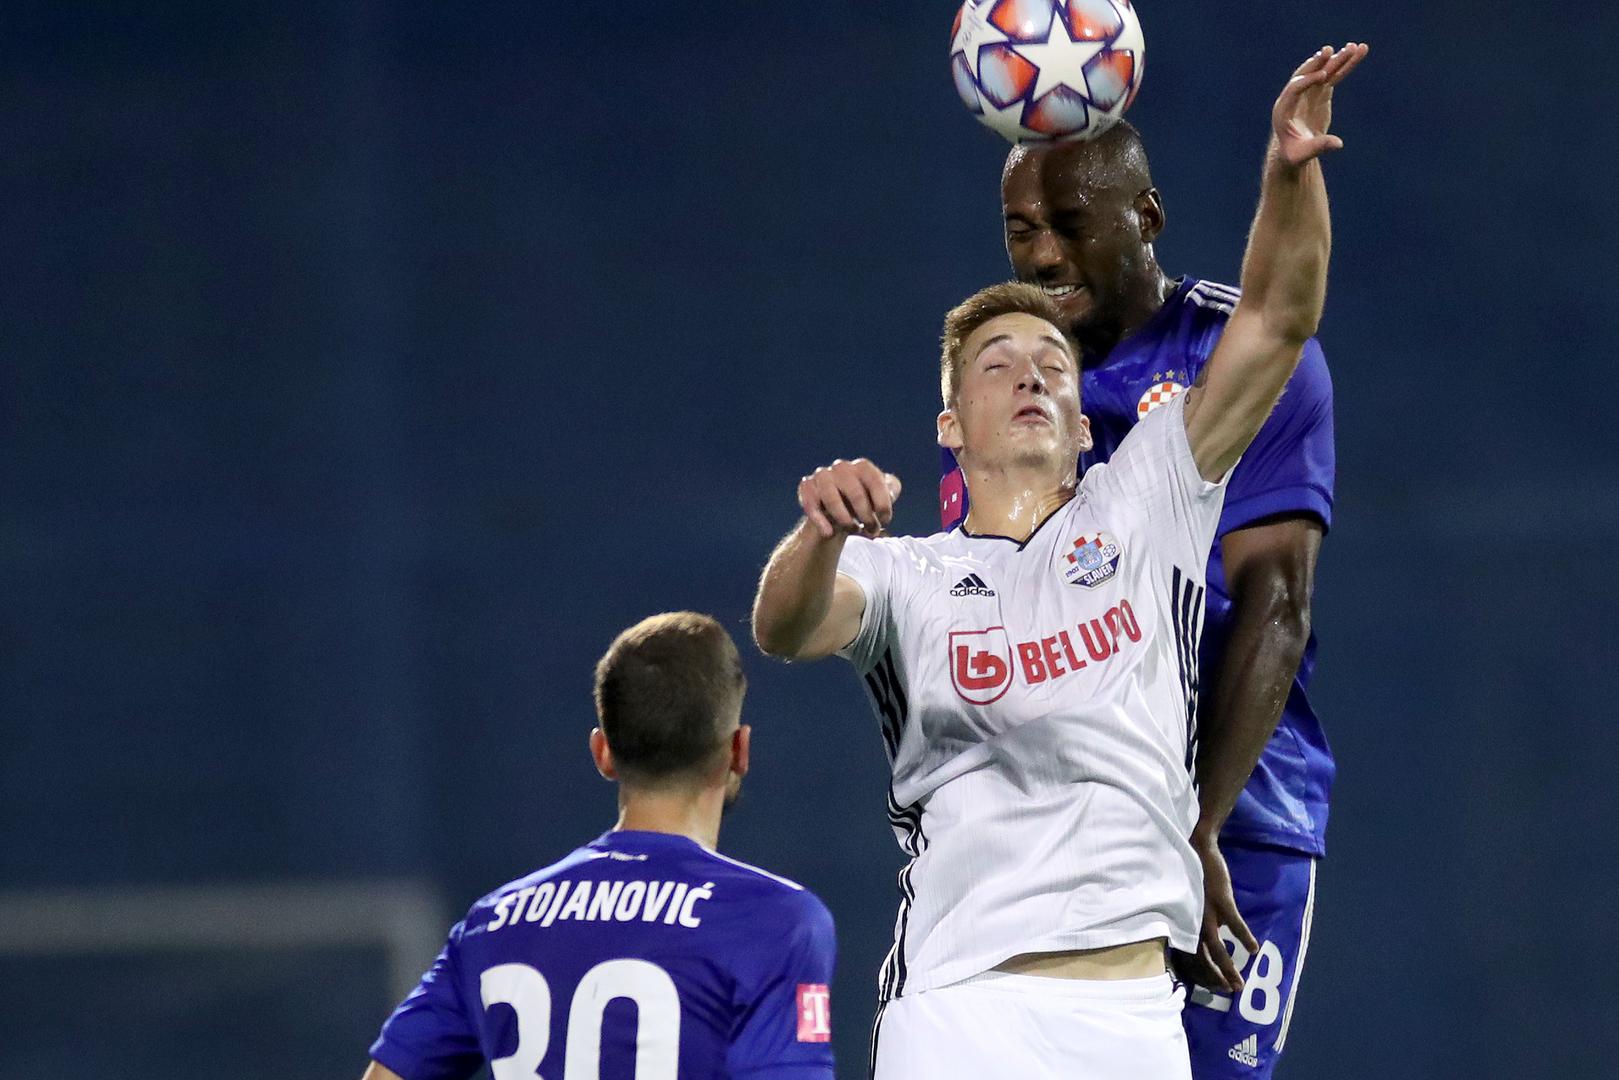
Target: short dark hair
{"x":964,"y":320}
{"x":668,"y":692}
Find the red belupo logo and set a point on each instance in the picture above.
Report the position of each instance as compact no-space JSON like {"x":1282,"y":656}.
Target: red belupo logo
{"x":814,"y":1013}
{"x":981,"y":664}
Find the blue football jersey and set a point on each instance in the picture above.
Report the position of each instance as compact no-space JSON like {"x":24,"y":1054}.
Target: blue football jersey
{"x":641,"y":956}
{"x":1289,"y":469}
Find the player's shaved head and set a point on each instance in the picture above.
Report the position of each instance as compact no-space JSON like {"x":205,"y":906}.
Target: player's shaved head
{"x":1080,"y":219}
{"x":1114,"y":160}
{"x":668,"y":696}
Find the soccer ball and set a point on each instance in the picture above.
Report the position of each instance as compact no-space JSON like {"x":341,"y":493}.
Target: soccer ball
{"x":1037,"y":70}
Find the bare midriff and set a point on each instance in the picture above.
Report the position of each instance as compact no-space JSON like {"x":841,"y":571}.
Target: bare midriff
{"x":1137,"y":960}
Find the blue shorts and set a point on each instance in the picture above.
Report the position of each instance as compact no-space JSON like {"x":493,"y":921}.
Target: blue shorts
{"x":1240,"y":1036}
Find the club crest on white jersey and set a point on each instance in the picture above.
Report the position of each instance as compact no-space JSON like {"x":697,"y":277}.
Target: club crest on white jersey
{"x":1092,"y":561}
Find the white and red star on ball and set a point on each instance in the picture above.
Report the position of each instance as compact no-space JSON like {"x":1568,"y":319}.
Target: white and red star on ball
{"x":1057,"y":54}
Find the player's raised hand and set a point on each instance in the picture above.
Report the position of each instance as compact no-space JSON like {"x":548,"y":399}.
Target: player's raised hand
{"x":849,"y":497}
{"x":1303,"y":113}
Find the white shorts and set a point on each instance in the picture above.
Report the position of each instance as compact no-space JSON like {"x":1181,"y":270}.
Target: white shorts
{"x":1030,"y":1027}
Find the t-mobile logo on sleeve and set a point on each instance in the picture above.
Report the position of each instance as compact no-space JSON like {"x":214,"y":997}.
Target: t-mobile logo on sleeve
{"x":814,"y":1013}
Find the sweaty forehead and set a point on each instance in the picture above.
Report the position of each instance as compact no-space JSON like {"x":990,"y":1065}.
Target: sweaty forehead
{"x":1014,"y":328}
{"x":1070,"y":174}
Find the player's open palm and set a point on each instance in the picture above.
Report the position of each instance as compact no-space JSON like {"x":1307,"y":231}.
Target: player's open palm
{"x":1303,"y":114}
{"x":849,"y":497}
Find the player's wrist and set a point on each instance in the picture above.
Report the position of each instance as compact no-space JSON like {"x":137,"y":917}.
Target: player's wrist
{"x":821,"y":547}
{"x":1206,"y":834}
{"x":1281,"y":172}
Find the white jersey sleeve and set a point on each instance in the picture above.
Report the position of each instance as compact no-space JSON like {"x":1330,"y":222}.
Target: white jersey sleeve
{"x":875,"y":566}
{"x":1154,"y":469}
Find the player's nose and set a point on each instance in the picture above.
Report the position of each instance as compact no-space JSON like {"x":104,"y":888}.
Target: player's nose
{"x":1045,"y":256}
{"x":1030,"y":380}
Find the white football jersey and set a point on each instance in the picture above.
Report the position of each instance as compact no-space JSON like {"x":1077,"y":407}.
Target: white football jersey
{"x":1038,"y":705}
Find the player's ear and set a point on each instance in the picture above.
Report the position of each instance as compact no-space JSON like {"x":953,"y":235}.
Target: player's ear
{"x":602,"y":755}
{"x":1150,"y":212}
{"x":1085,"y":440}
{"x":949,"y":430}
{"x":741,"y":748}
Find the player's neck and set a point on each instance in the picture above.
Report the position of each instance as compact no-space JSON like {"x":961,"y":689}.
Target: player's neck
{"x":1098,"y":342}
{"x":1012,"y":502}
{"x":692,"y":814}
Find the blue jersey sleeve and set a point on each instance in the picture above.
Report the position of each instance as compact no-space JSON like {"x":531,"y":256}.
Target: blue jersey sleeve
{"x":431,"y":1036}
{"x":1290,"y":467}
{"x":785,"y":1032}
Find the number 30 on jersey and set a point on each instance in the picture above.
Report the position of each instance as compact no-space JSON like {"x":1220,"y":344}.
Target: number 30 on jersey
{"x":657,"y":1042}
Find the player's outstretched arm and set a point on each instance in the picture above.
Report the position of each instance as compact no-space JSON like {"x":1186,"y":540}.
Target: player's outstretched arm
{"x":1284,"y":271}
{"x":804,"y":610}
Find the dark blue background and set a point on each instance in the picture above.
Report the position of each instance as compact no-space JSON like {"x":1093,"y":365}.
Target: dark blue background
{"x":367,"y":366}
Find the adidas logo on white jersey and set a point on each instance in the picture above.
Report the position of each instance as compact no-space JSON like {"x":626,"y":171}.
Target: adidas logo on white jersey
{"x":972,"y":585}
{"x":1246,"y":1052}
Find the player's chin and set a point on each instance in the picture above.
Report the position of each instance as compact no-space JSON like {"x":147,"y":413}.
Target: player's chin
{"x":1024,"y":433}
{"x":1037,"y":454}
